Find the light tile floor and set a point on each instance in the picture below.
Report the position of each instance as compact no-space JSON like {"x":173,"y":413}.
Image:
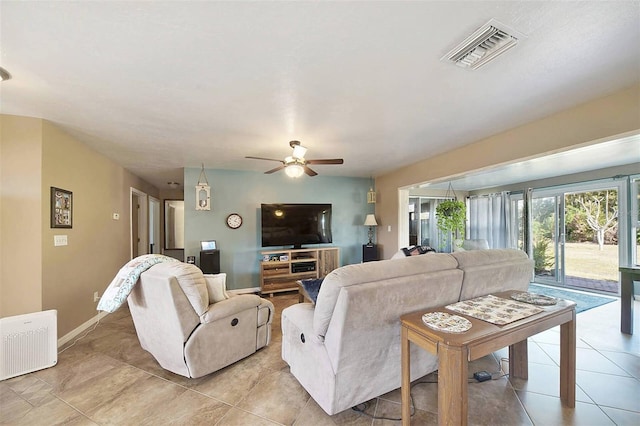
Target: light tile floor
{"x":107,"y":379}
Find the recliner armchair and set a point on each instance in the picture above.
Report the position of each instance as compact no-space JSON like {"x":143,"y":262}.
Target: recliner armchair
{"x":190,"y":325}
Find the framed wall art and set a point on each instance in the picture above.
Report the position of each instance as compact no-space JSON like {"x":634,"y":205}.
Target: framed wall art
{"x":61,"y":208}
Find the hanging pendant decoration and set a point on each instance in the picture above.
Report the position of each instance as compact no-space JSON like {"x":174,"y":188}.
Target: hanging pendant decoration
{"x":451,"y":217}
{"x":371,"y":195}
{"x":203,"y":192}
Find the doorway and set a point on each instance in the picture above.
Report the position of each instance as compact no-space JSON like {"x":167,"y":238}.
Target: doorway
{"x":154,"y":225}
{"x":576,"y":233}
{"x":423,"y":229}
{"x":139,"y":223}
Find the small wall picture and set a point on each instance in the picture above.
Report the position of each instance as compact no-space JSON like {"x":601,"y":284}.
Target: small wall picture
{"x":61,"y":208}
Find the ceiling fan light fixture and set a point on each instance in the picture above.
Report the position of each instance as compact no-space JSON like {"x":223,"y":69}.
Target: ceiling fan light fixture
{"x":294,"y":170}
{"x":484,"y":45}
{"x":296,"y":165}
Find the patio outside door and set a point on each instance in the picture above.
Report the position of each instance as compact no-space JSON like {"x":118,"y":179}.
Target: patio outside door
{"x":575,"y":236}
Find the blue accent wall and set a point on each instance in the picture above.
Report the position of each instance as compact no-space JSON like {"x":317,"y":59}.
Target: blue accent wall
{"x":242,"y":192}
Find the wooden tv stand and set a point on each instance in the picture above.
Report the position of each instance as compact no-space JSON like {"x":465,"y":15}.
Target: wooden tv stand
{"x":281,"y":269}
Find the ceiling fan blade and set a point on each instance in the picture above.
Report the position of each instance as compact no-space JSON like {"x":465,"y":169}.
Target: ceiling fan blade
{"x":262,"y":158}
{"x":326,"y":161}
{"x":308,"y":171}
{"x":268,"y":172}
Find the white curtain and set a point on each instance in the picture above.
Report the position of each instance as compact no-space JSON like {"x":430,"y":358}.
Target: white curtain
{"x":489,"y":219}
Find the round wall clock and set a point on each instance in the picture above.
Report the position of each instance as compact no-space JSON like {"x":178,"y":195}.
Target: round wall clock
{"x":234,"y":221}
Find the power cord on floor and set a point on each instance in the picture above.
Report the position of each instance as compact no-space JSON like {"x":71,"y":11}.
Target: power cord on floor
{"x":361,"y":408}
{"x":81,"y":337}
{"x":365,"y":405}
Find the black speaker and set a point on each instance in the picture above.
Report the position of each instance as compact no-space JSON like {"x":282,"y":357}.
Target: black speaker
{"x":369,"y":253}
{"x":210,"y":261}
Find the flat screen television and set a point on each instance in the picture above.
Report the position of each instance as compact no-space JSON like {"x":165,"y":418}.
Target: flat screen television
{"x":295,"y":224}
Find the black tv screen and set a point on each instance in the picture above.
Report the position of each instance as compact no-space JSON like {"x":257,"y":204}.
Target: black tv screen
{"x":295,"y":224}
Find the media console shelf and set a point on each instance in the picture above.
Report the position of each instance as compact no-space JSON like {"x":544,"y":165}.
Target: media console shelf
{"x":280,"y":269}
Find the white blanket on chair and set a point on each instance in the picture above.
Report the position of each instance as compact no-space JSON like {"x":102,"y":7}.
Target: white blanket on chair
{"x":119,"y":289}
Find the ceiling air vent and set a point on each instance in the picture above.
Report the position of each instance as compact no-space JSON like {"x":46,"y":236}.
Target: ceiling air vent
{"x":484,"y":45}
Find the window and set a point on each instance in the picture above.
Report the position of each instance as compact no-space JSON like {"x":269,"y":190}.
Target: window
{"x":635,"y":218}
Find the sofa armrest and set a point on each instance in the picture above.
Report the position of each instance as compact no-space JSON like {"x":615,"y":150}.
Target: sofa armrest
{"x":229,"y":307}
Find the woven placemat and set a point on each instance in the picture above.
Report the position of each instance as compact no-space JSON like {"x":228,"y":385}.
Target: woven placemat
{"x":448,"y":323}
{"x":534,"y":298}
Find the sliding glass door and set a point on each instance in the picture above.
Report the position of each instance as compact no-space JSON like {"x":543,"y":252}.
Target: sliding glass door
{"x":546,"y":238}
{"x":575,"y":235}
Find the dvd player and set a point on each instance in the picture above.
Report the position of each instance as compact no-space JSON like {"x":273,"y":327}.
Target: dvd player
{"x":303,"y":267}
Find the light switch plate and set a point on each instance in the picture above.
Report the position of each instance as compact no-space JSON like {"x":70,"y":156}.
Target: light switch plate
{"x":116,"y":216}
{"x":59,"y":240}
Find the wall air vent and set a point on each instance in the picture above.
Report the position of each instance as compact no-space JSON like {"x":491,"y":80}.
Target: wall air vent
{"x":484,"y":45}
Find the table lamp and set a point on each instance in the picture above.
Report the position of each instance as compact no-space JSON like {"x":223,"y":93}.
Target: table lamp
{"x":370,"y":221}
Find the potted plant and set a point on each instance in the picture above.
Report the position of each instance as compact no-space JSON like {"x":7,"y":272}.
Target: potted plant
{"x":451,"y":216}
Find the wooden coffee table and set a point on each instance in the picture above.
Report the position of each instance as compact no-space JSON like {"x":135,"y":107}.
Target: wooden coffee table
{"x":455,"y":350}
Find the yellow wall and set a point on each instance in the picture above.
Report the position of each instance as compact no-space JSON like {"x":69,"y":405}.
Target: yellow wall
{"x":20,"y":215}
{"x":98,"y":246}
{"x":612,"y":115}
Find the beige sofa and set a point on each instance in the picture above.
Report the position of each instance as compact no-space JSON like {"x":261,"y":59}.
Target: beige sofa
{"x":190,"y":325}
{"x":345,"y":350}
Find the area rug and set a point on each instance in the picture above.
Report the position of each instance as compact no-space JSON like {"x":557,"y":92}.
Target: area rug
{"x":583,"y":301}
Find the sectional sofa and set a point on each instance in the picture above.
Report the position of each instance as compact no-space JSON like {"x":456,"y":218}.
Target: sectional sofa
{"x":345,"y":349}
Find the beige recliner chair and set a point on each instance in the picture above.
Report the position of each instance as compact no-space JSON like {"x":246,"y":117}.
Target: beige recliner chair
{"x":190,"y":325}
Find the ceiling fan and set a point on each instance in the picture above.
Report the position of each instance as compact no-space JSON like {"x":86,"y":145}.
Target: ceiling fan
{"x":295,"y":165}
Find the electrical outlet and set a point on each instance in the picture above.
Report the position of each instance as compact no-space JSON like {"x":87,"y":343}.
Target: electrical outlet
{"x":96,"y":297}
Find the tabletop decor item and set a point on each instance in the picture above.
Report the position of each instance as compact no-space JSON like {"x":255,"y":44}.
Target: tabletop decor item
{"x":493,"y":309}
{"x":448,"y":323}
{"x":534,"y":298}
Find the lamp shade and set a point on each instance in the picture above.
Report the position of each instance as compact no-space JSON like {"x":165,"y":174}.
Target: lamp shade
{"x":370,"y":220}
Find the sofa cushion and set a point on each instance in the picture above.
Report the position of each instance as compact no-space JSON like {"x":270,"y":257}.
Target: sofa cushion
{"x":478,"y":244}
{"x":216,"y":287}
{"x":489,"y":271}
{"x":231,"y":306}
{"x":371,"y":272}
{"x":470,"y":258}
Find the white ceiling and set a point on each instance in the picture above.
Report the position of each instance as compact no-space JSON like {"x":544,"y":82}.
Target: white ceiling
{"x":158,"y":86}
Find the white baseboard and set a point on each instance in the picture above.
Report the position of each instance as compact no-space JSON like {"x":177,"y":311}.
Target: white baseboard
{"x":76,"y":331}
